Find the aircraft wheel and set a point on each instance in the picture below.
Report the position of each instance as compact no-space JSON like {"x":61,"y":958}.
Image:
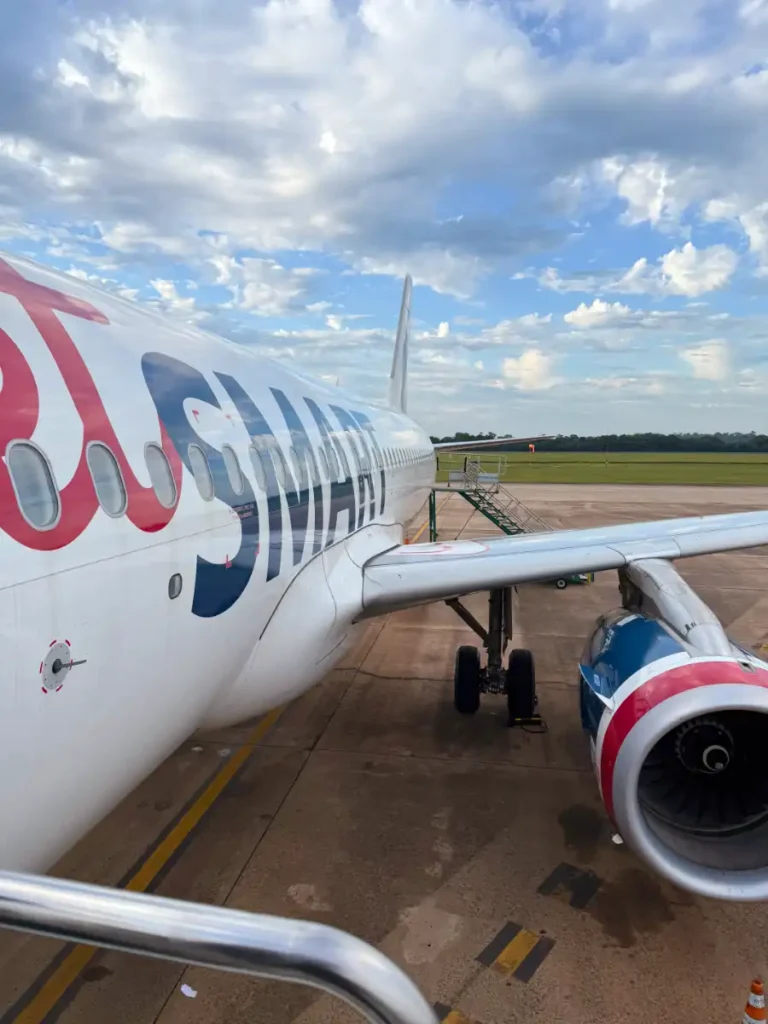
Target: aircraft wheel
{"x":521,"y":685}
{"x":466,"y":680}
{"x":561,"y":584}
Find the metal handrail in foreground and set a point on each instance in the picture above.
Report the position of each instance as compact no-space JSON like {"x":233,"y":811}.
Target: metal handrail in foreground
{"x":231,"y":940}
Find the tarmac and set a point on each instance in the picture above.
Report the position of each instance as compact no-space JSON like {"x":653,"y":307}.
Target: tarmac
{"x":476,"y":856}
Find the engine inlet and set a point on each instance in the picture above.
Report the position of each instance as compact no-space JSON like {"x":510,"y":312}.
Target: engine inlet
{"x":707,"y":777}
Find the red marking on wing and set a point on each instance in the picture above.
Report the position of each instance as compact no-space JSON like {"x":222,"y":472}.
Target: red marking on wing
{"x":651,"y":694}
{"x":227,"y":562}
{"x":51,"y":643}
{"x":58,"y":688}
{"x":67,"y":643}
{"x":43,"y":689}
{"x":19,"y":411}
{"x":40,"y":670}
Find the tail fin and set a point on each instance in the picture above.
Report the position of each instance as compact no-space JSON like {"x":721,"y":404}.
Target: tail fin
{"x":398,"y":377}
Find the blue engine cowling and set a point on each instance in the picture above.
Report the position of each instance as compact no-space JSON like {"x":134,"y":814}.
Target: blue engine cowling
{"x":621,"y":644}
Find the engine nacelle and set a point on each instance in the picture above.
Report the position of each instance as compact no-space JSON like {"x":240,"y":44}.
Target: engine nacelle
{"x":678,"y":722}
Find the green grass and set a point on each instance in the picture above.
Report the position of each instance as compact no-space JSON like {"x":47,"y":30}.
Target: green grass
{"x":714,"y":469}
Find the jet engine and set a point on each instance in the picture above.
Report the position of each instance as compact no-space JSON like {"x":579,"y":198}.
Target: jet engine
{"x":678,"y":721}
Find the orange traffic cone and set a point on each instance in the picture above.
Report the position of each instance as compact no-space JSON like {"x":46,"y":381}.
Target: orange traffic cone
{"x":755,"y":1008}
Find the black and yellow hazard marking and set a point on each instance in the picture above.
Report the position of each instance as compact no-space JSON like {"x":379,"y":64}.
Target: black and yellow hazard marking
{"x":516,"y":951}
{"x":576,"y":886}
{"x":449,"y":1016}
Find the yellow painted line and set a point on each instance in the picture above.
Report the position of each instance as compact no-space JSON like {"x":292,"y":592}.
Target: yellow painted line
{"x":456,"y":1017}
{"x":44,"y":1001}
{"x":425,"y":524}
{"x":516,"y":951}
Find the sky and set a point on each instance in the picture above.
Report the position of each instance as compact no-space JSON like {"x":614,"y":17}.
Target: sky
{"x":578,"y":188}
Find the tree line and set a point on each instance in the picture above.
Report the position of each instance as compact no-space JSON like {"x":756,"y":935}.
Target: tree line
{"x":718,"y":442}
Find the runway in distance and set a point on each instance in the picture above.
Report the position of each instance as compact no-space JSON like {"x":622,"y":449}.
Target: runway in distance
{"x":191,"y":535}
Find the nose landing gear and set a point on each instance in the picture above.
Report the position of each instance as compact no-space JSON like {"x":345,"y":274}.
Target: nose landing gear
{"x":517,"y":681}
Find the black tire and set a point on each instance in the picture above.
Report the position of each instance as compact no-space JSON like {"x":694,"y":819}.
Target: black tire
{"x":521,"y":685}
{"x":561,"y":584}
{"x":466,"y":680}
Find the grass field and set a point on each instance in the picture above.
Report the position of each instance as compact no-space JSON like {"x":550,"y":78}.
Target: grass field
{"x":619,"y":468}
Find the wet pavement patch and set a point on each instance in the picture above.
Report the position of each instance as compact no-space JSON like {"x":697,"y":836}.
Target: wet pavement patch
{"x":583,"y":829}
{"x":632,"y":905}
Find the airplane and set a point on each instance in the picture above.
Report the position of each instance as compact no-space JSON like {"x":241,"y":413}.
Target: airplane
{"x":191,"y":535}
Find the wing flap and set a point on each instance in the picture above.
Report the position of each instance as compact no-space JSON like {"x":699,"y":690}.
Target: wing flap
{"x":420,"y":573}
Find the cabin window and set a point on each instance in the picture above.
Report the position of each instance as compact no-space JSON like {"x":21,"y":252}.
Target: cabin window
{"x":258,"y":468}
{"x":160,"y":475}
{"x":33,"y":483}
{"x":201,"y":471}
{"x":232,"y":467}
{"x":107,"y":479}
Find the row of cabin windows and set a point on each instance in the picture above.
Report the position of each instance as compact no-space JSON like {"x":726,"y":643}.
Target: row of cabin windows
{"x":38,"y":496}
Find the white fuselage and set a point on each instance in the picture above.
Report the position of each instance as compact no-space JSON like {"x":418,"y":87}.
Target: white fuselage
{"x":269,"y":566}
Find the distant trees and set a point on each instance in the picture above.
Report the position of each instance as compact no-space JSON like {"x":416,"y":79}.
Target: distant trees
{"x":718,"y":442}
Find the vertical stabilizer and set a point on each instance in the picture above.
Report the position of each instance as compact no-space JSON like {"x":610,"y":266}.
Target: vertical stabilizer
{"x":398,"y":377}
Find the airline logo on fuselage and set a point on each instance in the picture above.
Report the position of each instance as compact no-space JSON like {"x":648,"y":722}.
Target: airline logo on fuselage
{"x":170,"y":383}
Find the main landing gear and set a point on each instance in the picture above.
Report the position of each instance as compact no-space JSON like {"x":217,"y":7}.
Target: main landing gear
{"x":517,"y":681}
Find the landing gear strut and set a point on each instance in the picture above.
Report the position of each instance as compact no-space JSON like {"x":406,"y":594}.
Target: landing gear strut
{"x":517,"y":681}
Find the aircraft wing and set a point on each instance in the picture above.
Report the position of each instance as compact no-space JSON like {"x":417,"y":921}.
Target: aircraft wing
{"x":419,"y":573}
{"x":494,"y":442}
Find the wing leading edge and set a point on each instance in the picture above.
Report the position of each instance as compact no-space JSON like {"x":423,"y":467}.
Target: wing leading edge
{"x":420,"y":573}
{"x":444,"y":447}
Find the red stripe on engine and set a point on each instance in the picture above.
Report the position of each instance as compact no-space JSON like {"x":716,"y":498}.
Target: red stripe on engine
{"x":651,"y":694}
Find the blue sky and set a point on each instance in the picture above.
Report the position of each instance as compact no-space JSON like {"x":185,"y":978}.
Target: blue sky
{"x":576,"y":186}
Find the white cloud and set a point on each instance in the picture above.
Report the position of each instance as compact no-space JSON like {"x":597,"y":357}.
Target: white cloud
{"x":693,"y":272}
{"x":444,"y":329}
{"x":685,"y":271}
{"x":650,"y":189}
{"x":110,"y":284}
{"x":709,"y":361}
{"x":174,"y":304}
{"x":264,"y":287}
{"x":650,"y":385}
{"x":599,"y":314}
{"x":448,"y":273}
{"x":534,"y":320}
{"x":531,"y":371}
